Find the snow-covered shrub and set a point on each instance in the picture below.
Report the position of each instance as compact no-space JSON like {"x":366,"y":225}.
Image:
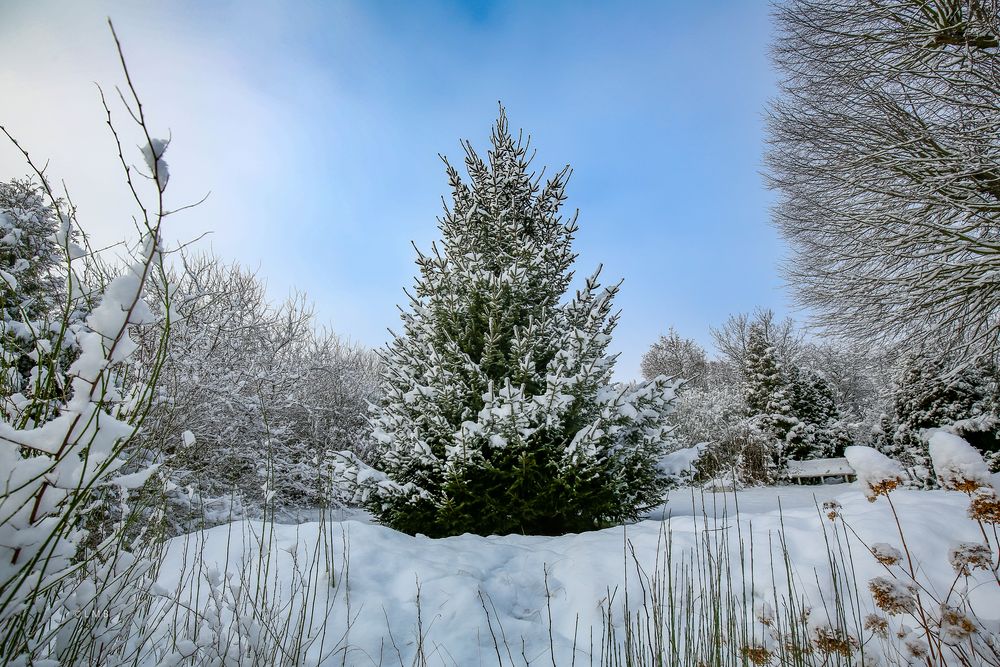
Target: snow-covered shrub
{"x":681,"y":465}
{"x":957,"y":464}
{"x":499,"y":414}
{"x":65,"y":583}
{"x":929,"y":393}
{"x":876,"y":472}
{"x":715,"y":421}
{"x":251,"y":395}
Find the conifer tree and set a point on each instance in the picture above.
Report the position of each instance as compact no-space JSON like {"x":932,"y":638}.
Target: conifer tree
{"x":768,"y":396}
{"x":29,"y":253}
{"x":818,"y":431}
{"x":499,"y":414}
{"x":32,"y":285}
{"x":931,"y":393}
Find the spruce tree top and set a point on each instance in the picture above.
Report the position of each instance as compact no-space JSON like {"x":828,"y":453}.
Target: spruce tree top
{"x":499,"y":414}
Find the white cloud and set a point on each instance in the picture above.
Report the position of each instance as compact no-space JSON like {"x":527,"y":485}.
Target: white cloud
{"x":230,"y":135}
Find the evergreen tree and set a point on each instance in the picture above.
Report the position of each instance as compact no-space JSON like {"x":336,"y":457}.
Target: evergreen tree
{"x":32,"y":288}
{"x":768,"y":396}
{"x":930,"y":393}
{"x":499,"y":414}
{"x":818,"y":431}
{"x":29,"y":253}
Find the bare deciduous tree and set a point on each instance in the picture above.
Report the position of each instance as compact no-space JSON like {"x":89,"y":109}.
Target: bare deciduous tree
{"x":263,"y":392}
{"x":676,"y":357}
{"x":885,"y":145}
{"x":731,"y":338}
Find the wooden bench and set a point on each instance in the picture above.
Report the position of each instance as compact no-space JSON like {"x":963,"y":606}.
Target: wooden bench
{"x":820,"y":469}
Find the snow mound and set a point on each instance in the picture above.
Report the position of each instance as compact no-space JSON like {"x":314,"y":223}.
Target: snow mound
{"x":957,"y":464}
{"x":681,"y":462}
{"x":877,"y":473}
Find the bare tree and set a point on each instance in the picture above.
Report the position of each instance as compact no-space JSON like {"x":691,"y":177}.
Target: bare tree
{"x":731,"y":338}
{"x":253,"y":395}
{"x":885,"y":145}
{"x":676,"y":357}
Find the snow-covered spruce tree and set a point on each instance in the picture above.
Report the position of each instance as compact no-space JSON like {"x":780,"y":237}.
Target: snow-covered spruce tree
{"x":931,"y":393}
{"x":499,"y":414}
{"x":819,"y":431}
{"x":31,"y":288}
{"x":768,"y":397}
{"x":29,"y":252}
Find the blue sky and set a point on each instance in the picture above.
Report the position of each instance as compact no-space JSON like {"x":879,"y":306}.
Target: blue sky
{"x":317,"y":128}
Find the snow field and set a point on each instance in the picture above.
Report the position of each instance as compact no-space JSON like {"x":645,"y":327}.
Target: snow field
{"x":472,"y":589}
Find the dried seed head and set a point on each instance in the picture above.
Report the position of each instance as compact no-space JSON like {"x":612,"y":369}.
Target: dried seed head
{"x":877,"y":473}
{"x":763,"y":613}
{"x":958,"y":465}
{"x":956,"y":626}
{"x":878,"y":625}
{"x":886,"y":554}
{"x":985,"y":505}
{"x":831,"y":640}
{"x":893,"y":596}
{"x":915,"y":646}
{"x":963,"y":484}
{"x":832,"y":509}
{"x":798,"y":650}
{"x":758,"y":655}
{"x":967,"y":556}
{"x":881,"y":488}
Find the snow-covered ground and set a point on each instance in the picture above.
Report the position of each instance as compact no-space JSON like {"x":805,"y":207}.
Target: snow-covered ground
{"x":472,"y":589}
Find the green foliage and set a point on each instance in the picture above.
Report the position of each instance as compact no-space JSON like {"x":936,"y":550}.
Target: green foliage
{"x":34,"y":309}
{"x":768,"y":396}
{"x":499,"y":414}
{"x":930,"y":392}
{"x":819,"y":432}
{"x":793,"y":409}
{"x":29,"y":253}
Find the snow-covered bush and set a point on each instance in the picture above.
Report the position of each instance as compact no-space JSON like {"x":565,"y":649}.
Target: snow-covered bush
{"x":499,"y":414}
{"x":957,"y":464}
{"x":876,"y":472}
{"x":931,"y":392}
{"x":715,"y":420}
{"x":66,"y":584}
{"x":251,"y":398}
